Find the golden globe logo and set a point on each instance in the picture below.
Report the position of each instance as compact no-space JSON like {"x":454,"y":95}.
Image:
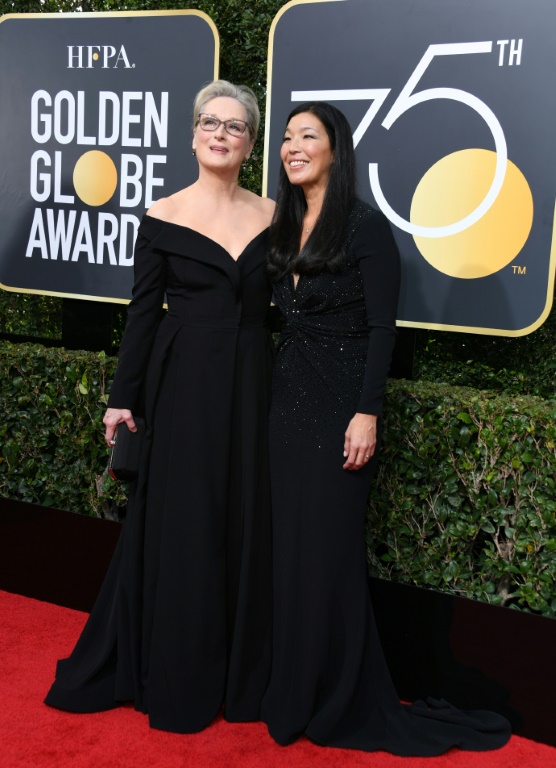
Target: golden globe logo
{"x":127,"y":179}
{"x":89,"y":56}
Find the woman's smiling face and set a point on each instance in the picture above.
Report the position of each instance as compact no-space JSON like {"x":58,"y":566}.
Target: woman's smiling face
{"x":306,"y":152}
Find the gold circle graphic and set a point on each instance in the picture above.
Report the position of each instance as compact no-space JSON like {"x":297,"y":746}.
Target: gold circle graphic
{"x":95,"y":177}
{"x":450,"y":190}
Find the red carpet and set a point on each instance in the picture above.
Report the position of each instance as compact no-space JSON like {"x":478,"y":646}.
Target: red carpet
{"x":33,"y":635}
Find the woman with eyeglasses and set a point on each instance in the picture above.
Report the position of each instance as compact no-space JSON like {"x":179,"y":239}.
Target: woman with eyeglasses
{"x":181,"y":627}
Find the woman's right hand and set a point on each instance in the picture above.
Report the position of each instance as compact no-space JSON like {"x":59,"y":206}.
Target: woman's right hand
{"x":112,"y":418}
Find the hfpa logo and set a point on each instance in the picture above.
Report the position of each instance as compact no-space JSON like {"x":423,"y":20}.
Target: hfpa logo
{"x":105,"y":56}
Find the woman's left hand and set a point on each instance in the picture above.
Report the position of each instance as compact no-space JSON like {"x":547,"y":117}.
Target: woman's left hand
{"x":360,"y":442}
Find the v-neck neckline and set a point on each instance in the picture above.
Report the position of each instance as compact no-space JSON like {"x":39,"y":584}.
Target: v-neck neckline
{"x":294,"y":285}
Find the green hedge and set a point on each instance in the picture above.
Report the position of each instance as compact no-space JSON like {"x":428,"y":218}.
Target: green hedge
{"x":53,"y":453}
{"x":465,"y":498}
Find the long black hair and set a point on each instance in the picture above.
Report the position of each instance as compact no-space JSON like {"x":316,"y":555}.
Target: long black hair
{"x":323,"y":249}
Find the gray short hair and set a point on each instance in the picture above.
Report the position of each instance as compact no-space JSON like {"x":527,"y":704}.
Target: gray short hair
{"x":242,"y":93}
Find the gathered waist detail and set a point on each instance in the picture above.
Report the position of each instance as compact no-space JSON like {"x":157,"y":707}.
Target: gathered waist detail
{"x":305,"y":325}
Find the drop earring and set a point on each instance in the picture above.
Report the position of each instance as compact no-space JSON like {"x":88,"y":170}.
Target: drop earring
{"x":193,"y":152}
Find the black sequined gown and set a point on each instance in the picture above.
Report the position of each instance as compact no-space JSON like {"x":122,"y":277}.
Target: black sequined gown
{"x":329,"y":678}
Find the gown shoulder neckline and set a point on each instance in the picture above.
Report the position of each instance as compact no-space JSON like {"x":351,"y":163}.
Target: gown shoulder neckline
{"x":181,"y":227}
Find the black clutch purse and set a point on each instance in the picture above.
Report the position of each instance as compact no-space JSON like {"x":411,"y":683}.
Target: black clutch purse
{"x":124,"y":456}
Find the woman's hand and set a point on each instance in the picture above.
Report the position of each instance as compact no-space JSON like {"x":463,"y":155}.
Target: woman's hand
{"x":112,"y":418}
{"x":360,"y":442}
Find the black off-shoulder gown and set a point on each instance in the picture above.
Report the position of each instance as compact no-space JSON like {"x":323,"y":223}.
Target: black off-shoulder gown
{"x":182,"y":625}
{"x":329,"y":678}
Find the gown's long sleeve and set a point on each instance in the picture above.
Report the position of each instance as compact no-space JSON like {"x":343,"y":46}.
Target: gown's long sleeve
{"x":143,"y":318}
{"x":377,"y":254}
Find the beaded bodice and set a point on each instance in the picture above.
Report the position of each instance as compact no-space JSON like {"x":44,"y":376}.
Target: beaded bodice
{"x":322,"y":348}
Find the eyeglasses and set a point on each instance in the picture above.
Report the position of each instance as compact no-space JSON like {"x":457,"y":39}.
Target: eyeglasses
{"x":211,"y":123}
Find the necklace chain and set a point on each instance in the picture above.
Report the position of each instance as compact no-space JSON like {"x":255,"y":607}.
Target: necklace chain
{"x":306,"y":228}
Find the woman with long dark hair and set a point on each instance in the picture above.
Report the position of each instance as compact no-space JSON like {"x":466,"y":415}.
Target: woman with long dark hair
{"x":336,"y":273}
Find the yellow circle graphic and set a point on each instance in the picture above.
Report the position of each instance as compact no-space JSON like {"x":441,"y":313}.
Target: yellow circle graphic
{"x":95,"y":177}
{"x":450,"y":190}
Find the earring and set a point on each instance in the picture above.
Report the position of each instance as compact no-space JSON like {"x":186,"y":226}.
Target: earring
{"x":194,"y":153}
